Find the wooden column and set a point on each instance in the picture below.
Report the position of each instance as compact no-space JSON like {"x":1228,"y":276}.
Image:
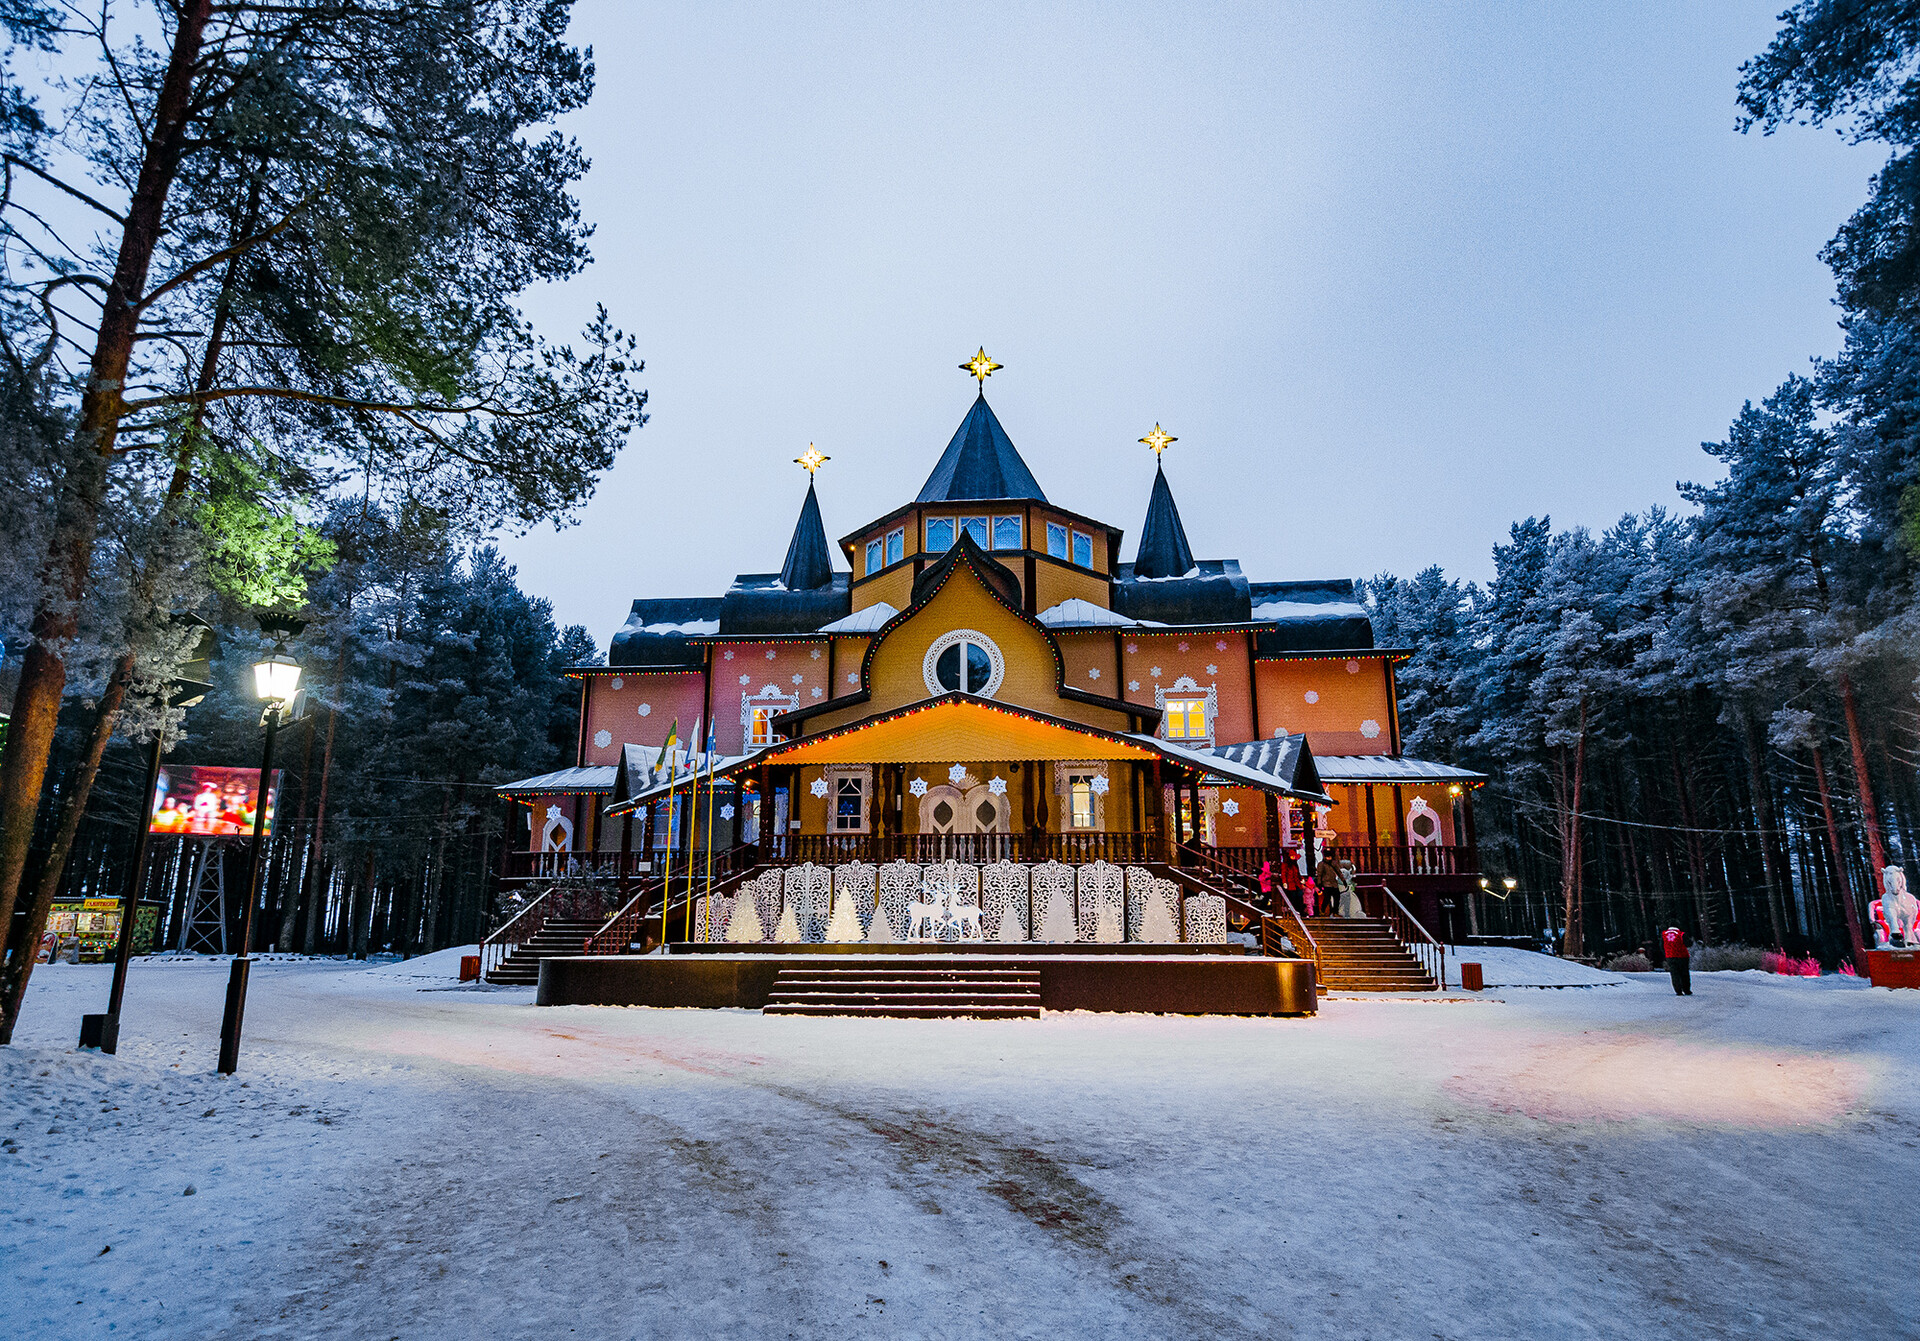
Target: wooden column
{"x":1373,"y":828}
{"x":1159,"y":810}
{"x":1273,"y":830}
{"x":626,"y":851}
{"x":1399,"y":818}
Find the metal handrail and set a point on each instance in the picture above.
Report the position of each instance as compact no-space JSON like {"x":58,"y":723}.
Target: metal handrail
{"x":616,"y":935}
{"x":1313,"y":946}
{"x":497,"y":946}
{"x":1428,"y":949}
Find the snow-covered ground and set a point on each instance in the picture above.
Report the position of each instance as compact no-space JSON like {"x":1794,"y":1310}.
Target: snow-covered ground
{"x":453,"y":1162}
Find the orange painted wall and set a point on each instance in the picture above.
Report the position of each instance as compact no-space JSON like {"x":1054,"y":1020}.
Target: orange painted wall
{"x":742,"y":670}
{"x":1217,"y":659}
{"x":1091,"y":664}
{"x":896,"y":589}
{"x":1347,"y":694}
{"x":1053,"y":584}
{"x":638,"y":710}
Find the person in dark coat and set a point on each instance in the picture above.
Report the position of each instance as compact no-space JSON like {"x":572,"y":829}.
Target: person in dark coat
{"x":1679,"y":964}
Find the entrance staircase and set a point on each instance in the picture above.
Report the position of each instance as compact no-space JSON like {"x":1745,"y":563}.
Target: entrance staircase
{"x":557,"y":936}
{"x":1360,"y":954}
{"x":890,"y":990}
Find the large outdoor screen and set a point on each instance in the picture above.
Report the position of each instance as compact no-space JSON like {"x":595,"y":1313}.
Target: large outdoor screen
{"x":206,"y":802}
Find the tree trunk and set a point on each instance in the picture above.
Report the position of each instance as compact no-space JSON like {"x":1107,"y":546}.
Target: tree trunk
{"x":1848,"y":908}
{"x":1570,"y":793}
{"x":56,"y":616}
{"x":1869,"y":814}
{"x":1763,"y":817}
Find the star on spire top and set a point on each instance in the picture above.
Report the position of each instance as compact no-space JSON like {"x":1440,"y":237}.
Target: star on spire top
{"x":1159,"y":440}
{"x":811,"y":460}
{"x":981,"y":367}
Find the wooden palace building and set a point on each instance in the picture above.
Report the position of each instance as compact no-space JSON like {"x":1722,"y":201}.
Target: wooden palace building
{"x":987,"y":681}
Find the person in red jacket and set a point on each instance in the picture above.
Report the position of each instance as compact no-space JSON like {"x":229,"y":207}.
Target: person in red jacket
{"x":1679,"y":965}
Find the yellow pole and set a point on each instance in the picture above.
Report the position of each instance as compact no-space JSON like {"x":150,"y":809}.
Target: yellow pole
{"x":692,"y":826}
{"x":709,"y":877}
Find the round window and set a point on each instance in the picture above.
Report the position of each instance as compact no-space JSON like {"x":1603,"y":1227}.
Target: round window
{"x":964,"y":662}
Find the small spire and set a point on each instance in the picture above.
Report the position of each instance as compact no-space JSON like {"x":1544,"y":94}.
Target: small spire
{"x":981,"y":367}
{"x":1164,"y":551}
{"x":809,"y":563}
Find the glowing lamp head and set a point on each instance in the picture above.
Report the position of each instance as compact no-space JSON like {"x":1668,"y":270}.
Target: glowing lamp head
{"x":276,"y":677}
{"x":1510,"y":883}
{"x":1454,"y":790}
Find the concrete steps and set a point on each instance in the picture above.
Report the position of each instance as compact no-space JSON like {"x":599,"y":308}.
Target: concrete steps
{"x":1362,"y":955}
{"x":559,"y":936}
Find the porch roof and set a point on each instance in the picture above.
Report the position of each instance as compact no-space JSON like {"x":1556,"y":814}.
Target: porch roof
{"x":564,"y":781}
{"x":1283,"y":766}
{"x":956,"y":728}
{"x":1392,"y":768}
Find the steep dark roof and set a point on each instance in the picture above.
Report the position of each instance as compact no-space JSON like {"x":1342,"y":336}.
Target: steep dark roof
{"x":980,"y":462}
{"x":656,"y":633}
{"x":1164,"y":551}
{"x":761,"y":604}
{"x":1287,"y":758}
{"x":1311,"y":617}
{"x":1212,"y":591}
{"x":809,"y":564}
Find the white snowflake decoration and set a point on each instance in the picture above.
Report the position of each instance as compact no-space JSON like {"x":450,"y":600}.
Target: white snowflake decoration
{"x":1183,"y":647}
{"x":1313,"y":696}
{"x":645,"y":709}
{"x":998,"y":786}
{"x":728,"y":654}
{"x":1279,"y":733}
{"x":816,"y":654}
{"x":603,"y":738}
{"x":1132,"y":648}
{"x":816,"y":691}
{"x":769,"y":654}
{"x":1220,"y":646}
{"x":957,"y":774}
{"x":553,"y":812}
{"x":1099,"y":784}
{"x":1133,"y":686}
{"x":853,"y":677}
{"x":1155,"y":672}
{"x":819,"y":787}
{"x":726,"y":811}
{"x":1093,"y":672}
{"x":744,"y":679}
{"x":1369,"y":728}
{"x":918,"y":786}
{"x":615,"y":683}
{"x":1213,"y":670}
{"x":1353,"y":668}
{"x":1231,"y":807}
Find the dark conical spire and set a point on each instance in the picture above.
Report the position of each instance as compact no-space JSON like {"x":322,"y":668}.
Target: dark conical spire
{"x":1164,"y":551}
{"x":809,"y":563}
{"x":980,"y":462}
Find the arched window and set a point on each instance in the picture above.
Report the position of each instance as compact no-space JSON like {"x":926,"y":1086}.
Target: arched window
{"x":964,"y":662}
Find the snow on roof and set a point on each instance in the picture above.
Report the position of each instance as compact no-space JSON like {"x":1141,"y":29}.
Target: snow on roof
{"x":1275,"y":611}
{"x":1075,"y":612}
{"x":685,"y":627}
{"x":868,"y":620}
{"x":1389,"y":768}
{"x":592,"y":778}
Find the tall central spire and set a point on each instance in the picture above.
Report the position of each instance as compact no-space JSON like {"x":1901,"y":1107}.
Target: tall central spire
{"x":1164,"y":551}
{"x":980,"y":461}
{"x":809,"y":564}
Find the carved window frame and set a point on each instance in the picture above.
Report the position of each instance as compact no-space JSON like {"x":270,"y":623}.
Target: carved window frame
{"x":770,"y":696}
{"x":1064,"y":771}
{"x":1186,"y":687}
{"x":832,"y":773}
{"x":929,"y":664}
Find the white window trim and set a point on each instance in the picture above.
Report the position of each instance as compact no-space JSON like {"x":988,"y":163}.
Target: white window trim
{"x":833,"y":773}
{"x":1184,"y":687}
{"x":897,"y":533}
{"x":876,"y":556}
{"x":1076,"y":534}
{"x":768,"y":697}
{"x":1063,"y":772}
{"x":946,"y":640}
{"x":926,"y":534}
{"x":993,"y":528}
{"x":1066,"y":549}
{"x":985,"y":518}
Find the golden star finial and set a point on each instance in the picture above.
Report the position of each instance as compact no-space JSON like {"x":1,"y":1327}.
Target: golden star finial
{"x":981,"y":366}
{"x":812,"y":459}
{"x":1159,"y":440}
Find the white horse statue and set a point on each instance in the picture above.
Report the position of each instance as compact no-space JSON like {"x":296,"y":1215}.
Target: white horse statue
{"x":1899,"y":907}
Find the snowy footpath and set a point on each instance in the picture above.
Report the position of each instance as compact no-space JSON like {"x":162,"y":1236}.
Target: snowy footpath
{"x":403,"y":1158}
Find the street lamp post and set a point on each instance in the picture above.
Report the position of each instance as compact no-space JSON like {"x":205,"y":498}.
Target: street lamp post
{"x":185,"y":690}
{"x":275,"y":678}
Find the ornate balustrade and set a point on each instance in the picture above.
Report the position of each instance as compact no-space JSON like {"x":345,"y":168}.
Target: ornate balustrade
{"x":978,"y":848}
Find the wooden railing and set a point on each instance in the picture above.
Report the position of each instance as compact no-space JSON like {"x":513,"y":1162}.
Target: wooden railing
{"x":1406,"y":928}
{"x":1439,"y":859}
{"x":977,"y":848}
{"x":567,"y":900}
{"x":577,"y":865}
{"x":617,"y":935}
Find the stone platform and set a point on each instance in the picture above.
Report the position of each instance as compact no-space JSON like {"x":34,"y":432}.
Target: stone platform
{"x":1160,"y":979}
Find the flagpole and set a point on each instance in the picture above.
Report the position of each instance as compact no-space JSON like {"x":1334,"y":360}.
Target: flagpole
{"x":709,"y":876}
{"x":693,"y":825}
{"x":666,"y":867}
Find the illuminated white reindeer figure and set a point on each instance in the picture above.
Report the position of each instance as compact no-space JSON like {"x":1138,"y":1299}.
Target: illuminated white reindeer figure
{"x":1900,"y":909}
{"x":945,"y":909}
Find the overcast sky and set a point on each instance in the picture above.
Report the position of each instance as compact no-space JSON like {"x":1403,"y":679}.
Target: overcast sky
{"x":1396,"y":275}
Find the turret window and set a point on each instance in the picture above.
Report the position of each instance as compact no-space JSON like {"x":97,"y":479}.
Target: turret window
{"x":874,"y":560}
{"x":1056,"y":540}
{"x":1006,"y":533}
{"x":1083,"y":549}
{"x":896,"y":544}
{"x":977,"y":528}
{"x":939,"y":534}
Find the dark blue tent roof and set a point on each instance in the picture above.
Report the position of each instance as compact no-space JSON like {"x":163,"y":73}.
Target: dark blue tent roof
{"x":809,"y":564}
{"x":1164,"y":551}
{"x":980,"y":462}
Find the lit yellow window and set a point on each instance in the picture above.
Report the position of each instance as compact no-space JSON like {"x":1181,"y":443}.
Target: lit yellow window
{"x":1080,"y":791}
{"x":1186,"y":719}
{"x":762,"y":733}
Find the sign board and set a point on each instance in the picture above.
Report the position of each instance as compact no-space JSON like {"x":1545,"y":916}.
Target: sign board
{"x":202,"y":801}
